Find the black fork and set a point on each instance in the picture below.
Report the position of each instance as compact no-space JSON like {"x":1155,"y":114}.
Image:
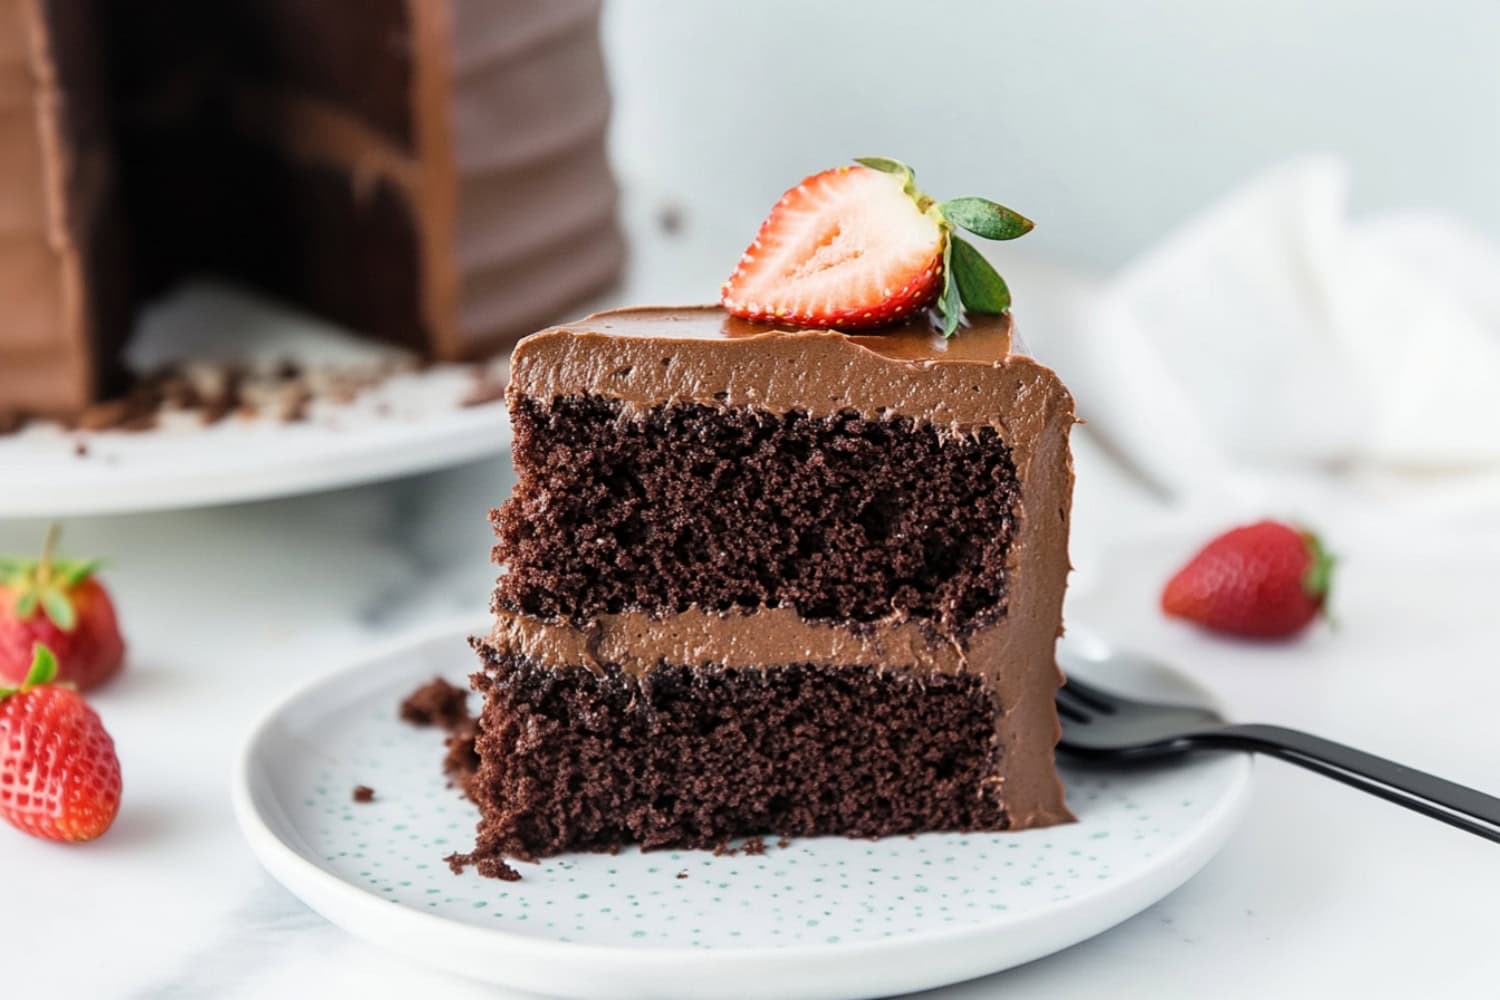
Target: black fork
{"x":1104,"y":727}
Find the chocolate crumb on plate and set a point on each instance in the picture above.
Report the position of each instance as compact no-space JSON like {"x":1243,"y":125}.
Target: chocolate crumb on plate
{"x":489,"y":866}
{"x":363,"y":793}
{"x":669,"y":219}
{"x":436,"y":703}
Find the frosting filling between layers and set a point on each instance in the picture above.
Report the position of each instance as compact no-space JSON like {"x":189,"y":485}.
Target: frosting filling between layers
{"x":637,"y":642}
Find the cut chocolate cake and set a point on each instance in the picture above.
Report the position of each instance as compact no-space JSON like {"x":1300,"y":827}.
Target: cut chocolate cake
{"x":429,"y":172}
{"x":761,"y":579}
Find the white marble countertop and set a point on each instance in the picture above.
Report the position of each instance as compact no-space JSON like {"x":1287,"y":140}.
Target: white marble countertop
{"x":1322,"y":892}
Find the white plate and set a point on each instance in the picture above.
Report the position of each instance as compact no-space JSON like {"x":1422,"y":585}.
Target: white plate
{"x":823,"y":917}
{"x":409,"y":423}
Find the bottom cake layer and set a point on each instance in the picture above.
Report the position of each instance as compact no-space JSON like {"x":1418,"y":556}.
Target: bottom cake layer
{"x":572,"y":759}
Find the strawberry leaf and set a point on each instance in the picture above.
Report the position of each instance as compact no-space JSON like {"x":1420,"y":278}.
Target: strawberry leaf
{"x":26,"y":604}
{"x":888,"y":166}
{"x":950,"y":305}
{"x":43,"y":668}
{"x":1317,"y":581}
{"x":74,"y":573}
{"x":980,"y":288}
{"x":58,"y":608}
{"x":983,"y":217}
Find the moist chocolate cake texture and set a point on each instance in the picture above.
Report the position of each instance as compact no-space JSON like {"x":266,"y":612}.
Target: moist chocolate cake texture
{"x":429,"y":172}
{"x":761,"y":580}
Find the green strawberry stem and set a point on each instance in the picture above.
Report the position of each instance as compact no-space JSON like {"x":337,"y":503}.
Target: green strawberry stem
{"x":43,"y":668}
{"x":49,"y":548}
{"x":44,"y":583}
{"x":970,"y":283}
{"x":1317,"y":582}
{"x":43,"y":671}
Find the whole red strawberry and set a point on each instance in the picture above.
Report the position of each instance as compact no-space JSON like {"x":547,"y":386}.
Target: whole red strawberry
{"x":1264,"y":581}
{"x":59,"y":776}
{"x":857,"y":247}
{"x":57,"y":603}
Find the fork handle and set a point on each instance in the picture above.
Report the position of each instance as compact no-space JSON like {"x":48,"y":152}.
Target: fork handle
{"x":1452,"y":803}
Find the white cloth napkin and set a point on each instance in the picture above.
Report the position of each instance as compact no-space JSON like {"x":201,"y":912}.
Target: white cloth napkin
{"x":1275,"y":338}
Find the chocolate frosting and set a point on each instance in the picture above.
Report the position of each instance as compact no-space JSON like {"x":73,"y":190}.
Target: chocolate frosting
{"x":56,"y":186}
{"x":655,"y":356}
{"x":471,"y":198}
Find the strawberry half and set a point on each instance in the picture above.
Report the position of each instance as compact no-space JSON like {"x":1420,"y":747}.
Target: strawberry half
{"x":859,"y":247}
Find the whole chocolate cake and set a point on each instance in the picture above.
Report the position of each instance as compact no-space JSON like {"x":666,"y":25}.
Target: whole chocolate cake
{"x":430,"y":172}
{"x":765,"y":579}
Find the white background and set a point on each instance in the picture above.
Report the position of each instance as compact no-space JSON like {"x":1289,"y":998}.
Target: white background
{"x":1108,"y":122}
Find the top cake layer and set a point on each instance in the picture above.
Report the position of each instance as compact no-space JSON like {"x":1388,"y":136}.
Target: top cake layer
{"x":673,"y":459}
{"x":700,"y":354}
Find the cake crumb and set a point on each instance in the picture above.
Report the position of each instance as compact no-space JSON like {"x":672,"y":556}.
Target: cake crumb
{"x":436,"y":703}
{"x":682,"y":874}
{"x":81,"y":449}
{"x":752,"y":847}
{"x":783,"y":843}
{"x":669,"y":219}
{"x":363,"y":793}
{"x":103,"y":416}
{"x":487,"y":866}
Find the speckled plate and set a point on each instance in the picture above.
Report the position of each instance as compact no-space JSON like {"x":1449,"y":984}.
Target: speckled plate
{"x":822,"y":917}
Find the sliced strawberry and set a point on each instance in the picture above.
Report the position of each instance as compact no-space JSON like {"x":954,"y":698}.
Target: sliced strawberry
{"x":845,"y":248}
{"x":858,"y":247}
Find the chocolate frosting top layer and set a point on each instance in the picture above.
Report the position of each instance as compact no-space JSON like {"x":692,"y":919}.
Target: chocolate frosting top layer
{"x":649,"y":356}
{"x":655,"y":356}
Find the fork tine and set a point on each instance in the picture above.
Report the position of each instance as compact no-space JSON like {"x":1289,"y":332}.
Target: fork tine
{"x":1070,"y":707}
{"x":1094,"y":698}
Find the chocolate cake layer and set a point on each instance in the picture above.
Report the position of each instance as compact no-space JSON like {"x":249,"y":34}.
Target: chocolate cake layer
{"x":431,"y":172}
{"x":685,"y":505}
{"x":693,"y":756}
{"x":638,"y":643}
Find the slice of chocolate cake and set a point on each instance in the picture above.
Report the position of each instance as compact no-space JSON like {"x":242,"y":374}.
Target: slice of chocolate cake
{"x":770,"y":580}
